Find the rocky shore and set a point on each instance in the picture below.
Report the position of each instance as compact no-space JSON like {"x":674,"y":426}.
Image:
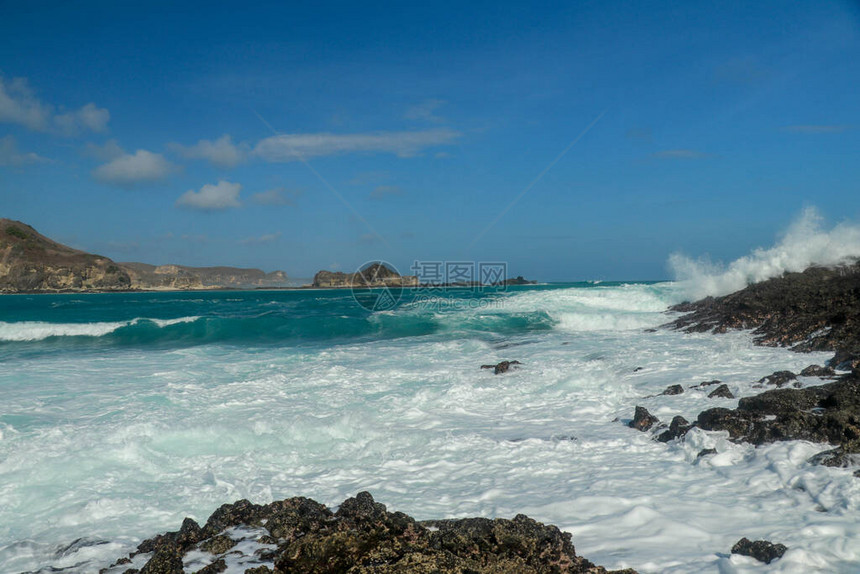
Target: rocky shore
{"x":361,"y":537}
{"x":816,"y":310}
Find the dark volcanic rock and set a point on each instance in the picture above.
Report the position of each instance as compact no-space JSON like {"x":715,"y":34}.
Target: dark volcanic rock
{"x":673,"y":390}
{"x":218,"y":544}
{"x":642,"y":419}
{"x":166,"y":560}
{"x":845,"y":360}
{"x":722,"y":391}
{"x":778,"y":379}
{"x":188,"y":535}
{"x":827,"y":413}
{"x":761,"y":550}
{"x":677,"y":428}
{"x":215,"y":568}
{"x":363,"y":537}
{"x":817,"y":371}
{"x":502,"y":367}
{"x":817,"y":310}
{"x":706,"y":452}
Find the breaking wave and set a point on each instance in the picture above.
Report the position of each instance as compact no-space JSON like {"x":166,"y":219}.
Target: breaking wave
{"x":807,"y":242}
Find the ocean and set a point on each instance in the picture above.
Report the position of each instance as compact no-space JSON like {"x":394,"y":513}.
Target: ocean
{"x":123,"y":413}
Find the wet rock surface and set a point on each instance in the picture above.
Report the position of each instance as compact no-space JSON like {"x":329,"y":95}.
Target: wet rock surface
{"x":363,"y":537}
{"x":677,"y":428}
{"x":779,"y":379}
{"x":642,"y":419}
{"x":673,"y":390}
{"x":817,"y":371}
{"x":816,"y":310}
{"x":827,"y":413}
{"x":761,"y":550}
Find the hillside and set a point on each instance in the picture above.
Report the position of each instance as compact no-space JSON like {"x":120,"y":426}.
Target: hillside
{"x":33,"y":263}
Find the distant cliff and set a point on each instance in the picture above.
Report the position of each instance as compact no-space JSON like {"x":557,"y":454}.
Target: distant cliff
{"x":182,"y":277}
{"x":33,"y":263}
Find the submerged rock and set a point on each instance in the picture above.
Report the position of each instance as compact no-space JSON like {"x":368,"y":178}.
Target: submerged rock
{"x":836,"y":457}
{"x":363,"y":537}
{"x":761,"y":550}
{"x":502,"y":367}
{"x":673,"y":390}
{"x":642,"y":419}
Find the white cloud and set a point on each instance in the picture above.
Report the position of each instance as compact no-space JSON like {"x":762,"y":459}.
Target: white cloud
{"x":294,"y":147}
{"x":382,"y":191}
{"x":88,"y":117}
{"x":425,"y":111}
{"x":267,"y":238}
{"x":212,"y":197}
{"x":221,"y":152}
{"x":131,"y":169}
{"x":276,"y":196}
{"x":110,"y":150}
{"x":19,"y":105}
{"x":11,"y":156}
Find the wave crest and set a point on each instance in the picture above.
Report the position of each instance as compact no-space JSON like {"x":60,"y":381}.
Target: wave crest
{"x":39,"y":330}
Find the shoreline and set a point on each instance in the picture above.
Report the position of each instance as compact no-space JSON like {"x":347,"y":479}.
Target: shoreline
{"x":654,"y":435}
{"x":313,"y":288}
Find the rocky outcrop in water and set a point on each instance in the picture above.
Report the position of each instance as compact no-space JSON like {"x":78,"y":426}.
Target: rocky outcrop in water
{"x":642,"y":420}
{"x":502,"y":367}
{"x":362,"y":537}
{"x":374,"y":275}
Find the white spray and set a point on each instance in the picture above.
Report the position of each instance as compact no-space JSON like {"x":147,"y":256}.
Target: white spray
{"x":806,"y":243}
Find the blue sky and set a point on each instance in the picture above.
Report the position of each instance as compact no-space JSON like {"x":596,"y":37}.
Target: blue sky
{"x":322,"y":135}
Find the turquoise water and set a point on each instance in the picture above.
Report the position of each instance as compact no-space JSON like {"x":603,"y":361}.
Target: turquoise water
{"x":124,"y":413}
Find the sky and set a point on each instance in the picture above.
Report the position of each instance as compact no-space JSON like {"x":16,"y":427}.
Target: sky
{"x":573,"y":140}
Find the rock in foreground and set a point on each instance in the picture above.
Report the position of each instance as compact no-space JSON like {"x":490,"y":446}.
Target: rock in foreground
{"x":362,"y":537}
{"x":827,"y":413}
{"x":761,"y":550}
